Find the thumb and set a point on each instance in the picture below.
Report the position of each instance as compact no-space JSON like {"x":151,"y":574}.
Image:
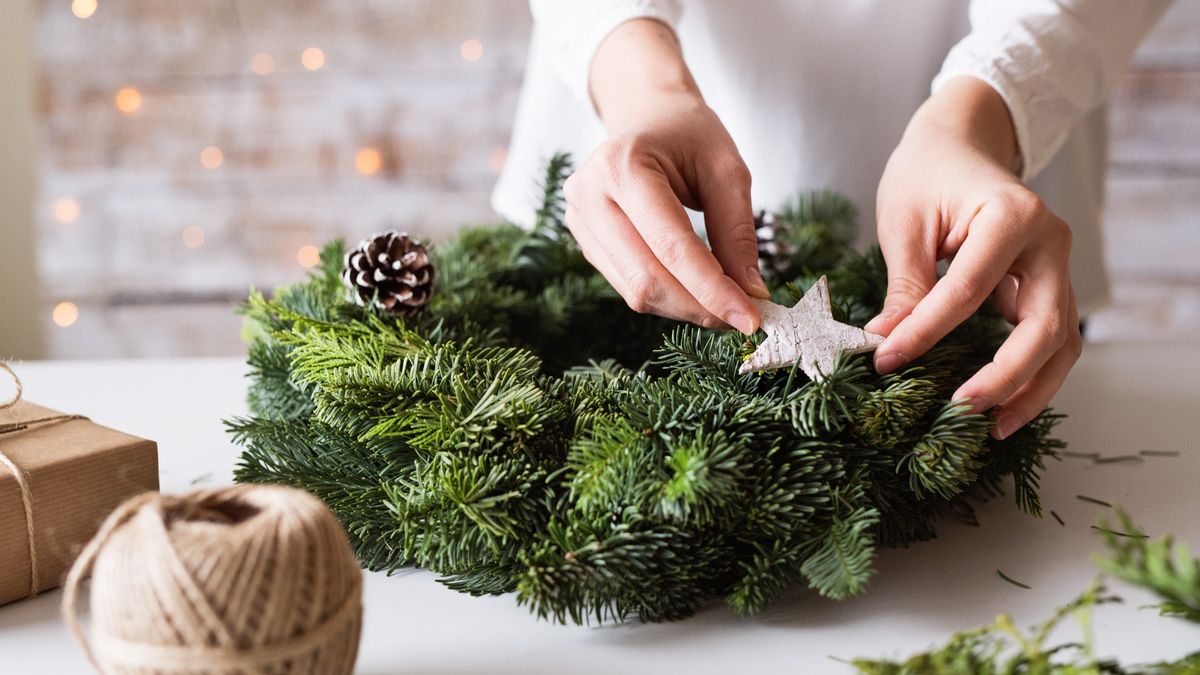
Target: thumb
{"x":729,"y":221}
{"x":910,"y":251}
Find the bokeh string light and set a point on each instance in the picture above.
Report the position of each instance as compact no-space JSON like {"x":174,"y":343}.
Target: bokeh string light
{"x":128,"y":100}
{"x":262,"y":63}
{"x":66,"y":210}
{"x":193,"y":236}
{"x":65,"y":314}
{"x":312,"y":58}
{"x":83,"y":9}
{"x":308,"y":256}
{"x":471,"y":50}
{"x":211,"y":157}
{"x":368,"y":161}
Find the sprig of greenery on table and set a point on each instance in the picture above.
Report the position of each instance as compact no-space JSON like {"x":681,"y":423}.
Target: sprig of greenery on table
{"x":1160,"y":565}
{"x":527,"y":432}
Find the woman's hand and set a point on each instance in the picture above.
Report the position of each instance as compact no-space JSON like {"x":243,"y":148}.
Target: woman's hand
{"x":948,"y":191}
{"x":666,"y":150}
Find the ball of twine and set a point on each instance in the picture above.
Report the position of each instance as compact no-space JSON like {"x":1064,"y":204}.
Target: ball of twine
{"x":247,"y":579}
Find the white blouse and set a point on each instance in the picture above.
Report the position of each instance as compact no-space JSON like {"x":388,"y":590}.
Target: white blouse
{"x":816,"y":94}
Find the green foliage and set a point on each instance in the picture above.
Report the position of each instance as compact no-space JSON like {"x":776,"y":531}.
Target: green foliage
{"x":1001,"y":648}
{"x":527,"y":432}
{"x":1165,"y":567}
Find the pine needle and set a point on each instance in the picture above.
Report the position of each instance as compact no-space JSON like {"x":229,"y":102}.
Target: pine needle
{"x":1013,"y":581}
{"x":1085,"y":498}
{"x":1118,"y":459}
{"x":1158,"y":453}
{"x":1058,"y":518}
{"x":1132,"y":535}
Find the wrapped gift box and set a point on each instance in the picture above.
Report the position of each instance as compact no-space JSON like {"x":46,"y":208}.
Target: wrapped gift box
{"x":77,"y":472}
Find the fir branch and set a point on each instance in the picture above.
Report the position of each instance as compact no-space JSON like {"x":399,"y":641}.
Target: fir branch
{"x":1161,"y":565}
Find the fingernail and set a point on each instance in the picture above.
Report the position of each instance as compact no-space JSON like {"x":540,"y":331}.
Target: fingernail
{"x":889,"y":362}
{"x":758,"y":287}
{"x":740,"y":321}
{"x":1006,"y":424}
{"x":875,"y":324}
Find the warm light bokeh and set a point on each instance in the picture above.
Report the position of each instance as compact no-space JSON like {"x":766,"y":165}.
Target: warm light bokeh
{"x":308,"y":256}
{"x":193,"y":236}
{"x":262,"y":63}
{"x":368,"y":161}
{"x":66,"y":210}
{"x":211,"y":157}
{"x":128,"y":100}
{"x":312,"y":58}
{"x":83,"y":9}
{"x":471,"y":50}
{"x":65,"y":314}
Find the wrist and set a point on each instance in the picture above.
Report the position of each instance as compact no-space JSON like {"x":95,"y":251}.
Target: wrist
{"x":971,"y":111}
{"x":639,"y":68}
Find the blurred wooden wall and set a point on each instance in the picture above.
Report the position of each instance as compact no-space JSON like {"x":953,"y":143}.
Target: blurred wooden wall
{"x":20,"y":309}
{"x":1152,"y":223}
{"x":161,"y":246}
{"x":154,"y":247}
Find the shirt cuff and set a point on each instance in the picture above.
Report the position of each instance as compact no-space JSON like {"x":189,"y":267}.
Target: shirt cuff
{"x":573,"y":36}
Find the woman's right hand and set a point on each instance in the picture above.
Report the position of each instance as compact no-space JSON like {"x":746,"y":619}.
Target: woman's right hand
{"x":666,"y":150}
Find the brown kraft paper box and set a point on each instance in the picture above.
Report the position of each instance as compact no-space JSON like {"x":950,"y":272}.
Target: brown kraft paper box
{"x":78,"y":472}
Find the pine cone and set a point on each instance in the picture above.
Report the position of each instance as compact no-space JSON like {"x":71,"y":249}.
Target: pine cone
{"x":774,"y":252}
{"x":392,"y":271}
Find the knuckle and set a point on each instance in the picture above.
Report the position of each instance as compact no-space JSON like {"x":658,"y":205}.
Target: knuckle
{"x":1005,"y":380}
{"x":1023,"y":203}
{"x":641,"y":293}
{"x":903,"y":289}
{"x":965,"y":290}
{"x":1060,"y":235}
{"x":742,"y":238}
{"x":620,"y":158}
{"x":1055,"y":329}
{"x":668,"y":248}
{"x":733,"y":170}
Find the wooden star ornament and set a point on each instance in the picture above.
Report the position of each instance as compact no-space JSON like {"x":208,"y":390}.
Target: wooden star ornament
{"x":807,"y":333}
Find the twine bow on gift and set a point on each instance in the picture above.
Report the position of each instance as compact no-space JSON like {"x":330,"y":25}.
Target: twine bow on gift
{"x":21,"y":476}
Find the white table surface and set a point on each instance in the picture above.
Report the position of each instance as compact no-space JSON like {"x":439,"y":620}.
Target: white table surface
{"x":1120,"y":398}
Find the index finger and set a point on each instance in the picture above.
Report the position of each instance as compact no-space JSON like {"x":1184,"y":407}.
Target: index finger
{"x":658,"y":215}
{"x":978,"y":268}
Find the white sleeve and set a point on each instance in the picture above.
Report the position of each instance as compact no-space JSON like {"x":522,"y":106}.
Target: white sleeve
{"x":573,"y":29}
{"x":1052,"y":61}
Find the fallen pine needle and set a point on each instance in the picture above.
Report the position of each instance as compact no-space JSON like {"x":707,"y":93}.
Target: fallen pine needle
{"x":1117,"y":458}
{"x":1058,"y":518}
{"x":1158,"y":453}
{"x":1085,"y":498}
{"x":1133,"y":535}
{"x":1013,"y":581}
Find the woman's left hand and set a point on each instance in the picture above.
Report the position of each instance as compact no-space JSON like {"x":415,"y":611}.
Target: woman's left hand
{"x":948,"y":191}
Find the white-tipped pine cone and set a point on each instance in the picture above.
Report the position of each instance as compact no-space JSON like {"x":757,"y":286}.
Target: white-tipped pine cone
{"x":774,"y":252}
{"x":391,"y":270}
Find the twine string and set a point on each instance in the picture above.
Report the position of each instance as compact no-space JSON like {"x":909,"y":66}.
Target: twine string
{"x":210,"y":632}
{"x":23,"y":477}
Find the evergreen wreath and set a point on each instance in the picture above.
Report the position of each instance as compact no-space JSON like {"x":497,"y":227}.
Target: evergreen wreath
{"x":526,"y":432}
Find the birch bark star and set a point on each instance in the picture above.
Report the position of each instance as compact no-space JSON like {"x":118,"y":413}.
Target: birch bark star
{"x":806,"y":333}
